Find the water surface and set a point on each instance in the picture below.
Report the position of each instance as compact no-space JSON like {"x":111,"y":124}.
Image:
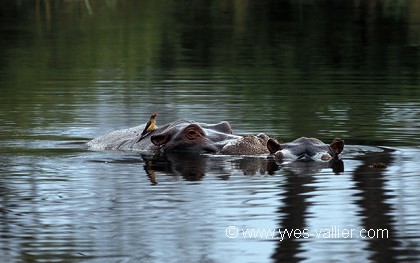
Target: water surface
{"x":74,"y":70}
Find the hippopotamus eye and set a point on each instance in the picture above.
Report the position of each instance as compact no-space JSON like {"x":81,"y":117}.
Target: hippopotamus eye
{"x":192,"y":134}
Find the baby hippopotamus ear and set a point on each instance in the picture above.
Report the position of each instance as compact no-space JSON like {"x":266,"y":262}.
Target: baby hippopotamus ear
{"x":273,"y":146}
{"x":337,"y":146}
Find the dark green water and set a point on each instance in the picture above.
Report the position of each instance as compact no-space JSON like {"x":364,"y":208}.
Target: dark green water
{"x":73,"y":70}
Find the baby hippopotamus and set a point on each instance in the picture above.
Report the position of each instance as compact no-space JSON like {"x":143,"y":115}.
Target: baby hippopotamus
{"x":306,"y":149}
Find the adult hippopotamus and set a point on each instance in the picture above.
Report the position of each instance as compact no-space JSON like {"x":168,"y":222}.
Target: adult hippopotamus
{"x":183,"y":136}
{"x":306,"y":149}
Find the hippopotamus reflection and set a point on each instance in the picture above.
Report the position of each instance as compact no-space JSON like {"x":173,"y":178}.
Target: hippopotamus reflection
{"x":193,"y":167}
{"x":306,"y":149}
{"x":183,"y":136}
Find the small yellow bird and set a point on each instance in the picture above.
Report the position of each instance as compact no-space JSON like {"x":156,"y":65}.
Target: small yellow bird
{"x":150,"y":126}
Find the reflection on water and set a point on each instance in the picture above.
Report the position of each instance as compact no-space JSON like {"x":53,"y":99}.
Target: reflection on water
{"x":123,"y":206}
{"x":73,"y":70}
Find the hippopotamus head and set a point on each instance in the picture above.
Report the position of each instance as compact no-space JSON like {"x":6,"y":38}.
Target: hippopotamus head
{"x":183,"y":136}
{"x":306,"y":149}
{"x":189,"y":136}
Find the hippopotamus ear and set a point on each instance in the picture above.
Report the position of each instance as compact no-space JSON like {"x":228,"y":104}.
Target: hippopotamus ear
{"x":224,"y":127}
{"x":160,"y":139}
{"x":337,"y":145}
{"x":273,"y":146}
